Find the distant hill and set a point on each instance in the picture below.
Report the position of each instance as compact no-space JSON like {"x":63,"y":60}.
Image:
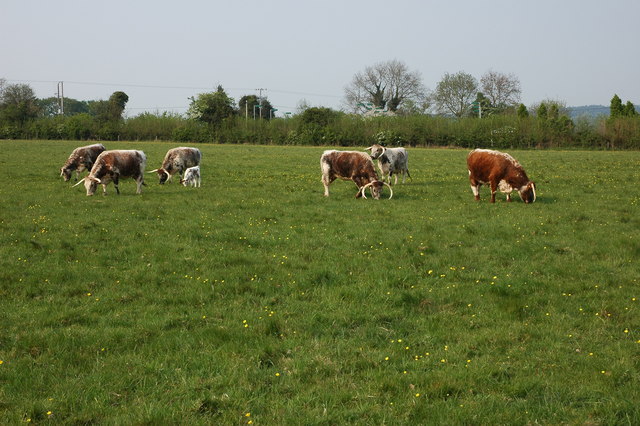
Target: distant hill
{"x":591,"y":111}
{"x":588,"y":111}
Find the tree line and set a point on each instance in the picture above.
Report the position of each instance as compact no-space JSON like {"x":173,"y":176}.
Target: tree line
{"x":494,"y":119}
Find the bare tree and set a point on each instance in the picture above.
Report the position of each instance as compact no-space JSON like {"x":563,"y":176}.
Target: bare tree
{"x":503,"y":90}
{"x":385,"y":85}
{"x":455,"y":92}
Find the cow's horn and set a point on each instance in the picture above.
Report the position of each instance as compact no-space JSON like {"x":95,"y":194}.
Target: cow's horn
{"x":363,"y":189}
{"x":533,"y":187}
{"x":153,"y":171}
{"x":390,"y":189}
{"x":79,"y":182}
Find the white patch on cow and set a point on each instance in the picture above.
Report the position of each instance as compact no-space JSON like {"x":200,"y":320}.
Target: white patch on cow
{"x":475,"y":191}
{"x":505,"y":187}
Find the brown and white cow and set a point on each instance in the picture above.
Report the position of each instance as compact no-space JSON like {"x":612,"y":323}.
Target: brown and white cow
{"x":500,"y":171}
{"x":82,"y":158}
{"x":351,"y":165}
{"x":177,"y":160}
{"x":113,"y":165}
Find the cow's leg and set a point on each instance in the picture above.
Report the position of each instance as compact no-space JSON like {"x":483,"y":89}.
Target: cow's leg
{"x":508,"y":197}
{"x":139,"y":182}
{"x":359,"y":184}
{"x":326,"y":181}
{"x":327,"y":177}
{"x":116,"y":180}
{"x":395,"y":182}
{"x":475,"y":188}
{"x":494,"y":189}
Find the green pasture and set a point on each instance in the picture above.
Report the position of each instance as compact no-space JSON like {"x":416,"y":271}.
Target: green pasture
{"x":255,"y":300}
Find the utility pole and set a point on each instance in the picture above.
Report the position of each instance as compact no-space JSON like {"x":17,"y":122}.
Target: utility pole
{"x":61,"y":97}
{"x":260,"y":99}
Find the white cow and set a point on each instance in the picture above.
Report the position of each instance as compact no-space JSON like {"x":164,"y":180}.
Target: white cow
{"x":192,"y":177}
{"x":391,"y":161}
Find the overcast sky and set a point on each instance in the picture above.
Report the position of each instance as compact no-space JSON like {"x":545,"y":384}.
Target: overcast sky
{"x":161,"y":53}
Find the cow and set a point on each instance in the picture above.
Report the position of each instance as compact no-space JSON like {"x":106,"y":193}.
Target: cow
{"x":351,"y":165}
{"x":113,"y":165}
{"x":82,"y":158}
{"x":177,"y":160}
{"x":500,"y":171}
{"x":191,"y":177}
{"x":390,"y":161}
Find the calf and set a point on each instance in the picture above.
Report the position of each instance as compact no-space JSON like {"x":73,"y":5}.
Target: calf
{"x":191,"y":177}
{"x":390,"y":161}
{"x":82,"y":158}
{"x":177,"y":160}
{"x":500,"y":171}
{"x":351,"y":165}
{"x":111,"y":166}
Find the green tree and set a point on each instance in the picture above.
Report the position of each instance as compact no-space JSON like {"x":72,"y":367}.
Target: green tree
{"x":542,"y":111}
{"x":117,"y":103}
{"x":481,"y":107}
{"x":108,"y":111}
{"x":212,"y":108}
{"x":616,"y":109}
{"x":18,"y":104}
{"x":98,"y":109}
{"x":50,"y":107}
{"x":522,"y":111}
{"x":250,"y":105}
{"x":318,"y":116}
{"x":455,"y":92}
{"x":630,"y":109}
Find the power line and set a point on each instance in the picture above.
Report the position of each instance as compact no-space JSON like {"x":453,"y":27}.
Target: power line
{"x":151,"y":86}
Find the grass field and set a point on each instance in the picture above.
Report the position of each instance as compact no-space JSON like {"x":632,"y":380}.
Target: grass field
{"x":255,"y":300}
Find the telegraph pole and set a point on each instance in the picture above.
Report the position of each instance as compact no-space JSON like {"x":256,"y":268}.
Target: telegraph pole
{"x":61,"y":97}
{"x":260,"y":99}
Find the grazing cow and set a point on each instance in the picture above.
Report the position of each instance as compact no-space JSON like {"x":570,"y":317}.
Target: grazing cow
{"x":111,"y":166}
{"x":391,"y":161}
{"x":500,"y":171}
{"x":191,"y":177}
{"x":351,"y":165}
{"x":82,"y":158}
{"x":177,"y":160}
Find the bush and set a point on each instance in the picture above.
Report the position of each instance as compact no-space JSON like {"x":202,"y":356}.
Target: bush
{"x":323,"y":126}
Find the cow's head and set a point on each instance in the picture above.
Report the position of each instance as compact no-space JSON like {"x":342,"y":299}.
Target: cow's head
{"x":376,"y":150}
{"x":376,"y":189}
{"x":90,"y":184}
{"x":162,"y":174}
{"x":528,"y":192}
{"x":65,"y":173}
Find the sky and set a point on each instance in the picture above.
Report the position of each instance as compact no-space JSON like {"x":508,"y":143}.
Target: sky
{"x":161,"y":53}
